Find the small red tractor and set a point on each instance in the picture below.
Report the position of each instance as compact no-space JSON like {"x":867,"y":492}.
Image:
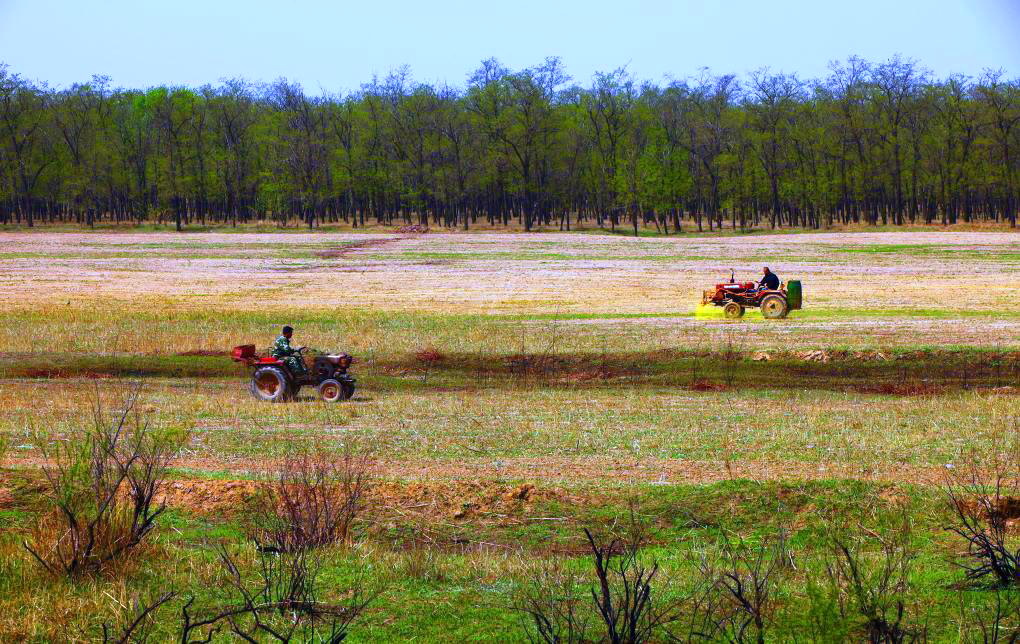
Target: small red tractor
{"x":735,"y":297}
{"x":273,"y":381}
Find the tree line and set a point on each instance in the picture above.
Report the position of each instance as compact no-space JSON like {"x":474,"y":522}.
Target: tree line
{"x":872,"y":143}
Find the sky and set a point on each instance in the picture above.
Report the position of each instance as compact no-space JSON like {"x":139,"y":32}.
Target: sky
{"x":336,"y":46}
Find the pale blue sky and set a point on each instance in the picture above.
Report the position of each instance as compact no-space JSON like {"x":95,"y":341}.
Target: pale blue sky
{"x":339,"y":45}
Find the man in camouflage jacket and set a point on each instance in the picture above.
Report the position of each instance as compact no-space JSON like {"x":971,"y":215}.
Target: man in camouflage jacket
{"x":283,"y":351}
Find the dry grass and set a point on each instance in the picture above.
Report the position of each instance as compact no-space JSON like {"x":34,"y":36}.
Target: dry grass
{"x":509,"y":273}
{"x":458,"y":445}
{"x":487,"y":293}
{"x":642,"y":433}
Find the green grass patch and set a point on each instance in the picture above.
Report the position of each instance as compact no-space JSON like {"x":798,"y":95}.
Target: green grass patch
{"x":459,"y":584}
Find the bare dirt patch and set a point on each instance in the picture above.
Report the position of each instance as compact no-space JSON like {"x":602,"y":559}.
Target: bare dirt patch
{"x":351,"y":247}
{"x":448,"y":500}
{"x":413,"y":229}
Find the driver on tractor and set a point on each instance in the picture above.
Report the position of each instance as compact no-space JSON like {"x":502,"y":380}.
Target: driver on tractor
{"x":291,"y":357}
{"x":769,"y":280}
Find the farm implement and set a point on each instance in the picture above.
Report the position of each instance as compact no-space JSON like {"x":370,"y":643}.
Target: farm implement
{"x":735,"y":297}
{"x":273,"y":380}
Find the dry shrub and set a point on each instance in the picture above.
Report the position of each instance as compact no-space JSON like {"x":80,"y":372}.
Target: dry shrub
{"x":731,"y":356}
{"x":312,"y":501}
{"x":281,"y":603}
{"x":998,"y":623}
{"x":623,"y":591}
{"x":555,"y":611}
{"x":622,"y":601}
{"x":980,"y":496}
{"x":746,"y":582}
{"x":869,"y":578}
{"x":103,"y":486}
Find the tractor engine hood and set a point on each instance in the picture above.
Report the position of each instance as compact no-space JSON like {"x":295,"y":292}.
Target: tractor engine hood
{"x":341,"y":359}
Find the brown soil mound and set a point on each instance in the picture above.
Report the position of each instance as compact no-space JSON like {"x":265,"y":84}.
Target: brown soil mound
{"x":448,"y":500}
{"x":1006,"y":508}
{"x":208,"y":497}
{"x":705,"y":385}
{"x":463,"y":500}
{"x":413,"y":229}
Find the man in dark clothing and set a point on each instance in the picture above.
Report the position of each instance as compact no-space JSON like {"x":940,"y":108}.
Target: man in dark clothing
{"x":770,"y":280}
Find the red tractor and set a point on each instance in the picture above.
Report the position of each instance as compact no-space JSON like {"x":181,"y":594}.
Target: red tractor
{"x":273,"y":381}
{"x":735,"y":297}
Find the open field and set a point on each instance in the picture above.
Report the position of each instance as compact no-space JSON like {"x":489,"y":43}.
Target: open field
{"x":577,"y":380}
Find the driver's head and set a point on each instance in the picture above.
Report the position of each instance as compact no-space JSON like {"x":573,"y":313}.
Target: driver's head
{"x":765,"y":271}
{"x":288,"y":331}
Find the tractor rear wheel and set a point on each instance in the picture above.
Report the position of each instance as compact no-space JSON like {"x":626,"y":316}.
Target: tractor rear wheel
{"x":733,"y":311}
{"x":773,"y":307}
{"x":270,"y":384}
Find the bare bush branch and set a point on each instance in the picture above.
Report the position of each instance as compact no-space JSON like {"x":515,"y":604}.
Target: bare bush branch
{"x":313,"y":500}
{"x":554,"y":607}
{"x":104,"y":488}
{"x":1000,"y":625}
{"x":138,"y":629}
{"x":280,"y":604}
{"x":748,"y":580}
{"x":874,"y":585}
{"x":983,"y":497}
{"x":621,"y":605}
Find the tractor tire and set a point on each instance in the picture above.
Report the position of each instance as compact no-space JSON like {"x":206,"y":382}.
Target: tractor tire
{"x":773,"y":307}
{"x":334,"y":391}
{"x":733,"y":311}
{"x":270,"y":384}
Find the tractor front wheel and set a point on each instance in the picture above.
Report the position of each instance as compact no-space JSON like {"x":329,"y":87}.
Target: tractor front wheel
{"x":773,"y":307}
{"x":334,"y":391}
{"x":733,"y":311}
{"x":270,"y":384}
